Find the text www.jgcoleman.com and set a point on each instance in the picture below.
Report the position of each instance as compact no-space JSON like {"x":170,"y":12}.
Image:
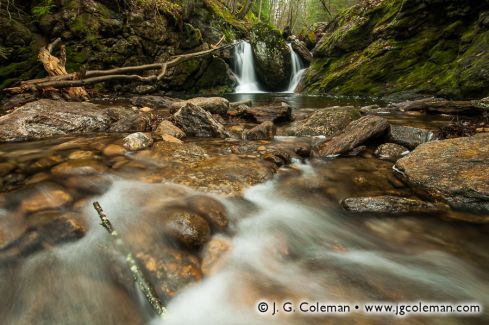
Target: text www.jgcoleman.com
{"x":401,"y":309}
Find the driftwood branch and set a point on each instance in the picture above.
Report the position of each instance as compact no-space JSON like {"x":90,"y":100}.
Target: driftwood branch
{"x":138,"y":276}
{"x":56,"y":66}
{"x":126,"y":73}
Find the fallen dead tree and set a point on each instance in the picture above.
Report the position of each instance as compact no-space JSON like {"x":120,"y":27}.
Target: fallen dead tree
{"x":60,"y":79}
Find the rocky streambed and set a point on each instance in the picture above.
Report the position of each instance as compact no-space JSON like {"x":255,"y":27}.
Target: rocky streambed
{"x":183,"y":179}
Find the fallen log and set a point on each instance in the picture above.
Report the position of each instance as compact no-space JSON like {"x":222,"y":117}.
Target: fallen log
{"x":84,"y":78}
{"x":56,"y":66}
{"x":138,"y":276}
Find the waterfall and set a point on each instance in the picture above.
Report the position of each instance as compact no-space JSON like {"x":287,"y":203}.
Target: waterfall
{"x":247,"y":81}
{"x":297,"y":70}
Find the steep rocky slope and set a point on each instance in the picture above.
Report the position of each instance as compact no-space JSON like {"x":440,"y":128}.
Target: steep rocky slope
{"x":438,"y":47}
{"x":105,"y":34}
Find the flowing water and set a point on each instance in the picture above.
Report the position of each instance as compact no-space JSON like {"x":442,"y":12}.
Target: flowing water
{"x":298,"y":70}
{"x":288,"y":240}
{"x":245,"y":67}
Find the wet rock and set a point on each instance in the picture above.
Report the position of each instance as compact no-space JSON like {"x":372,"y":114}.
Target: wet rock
{"x":81,"y":154}
{"x":170,"y":270}
{"x":272,"y":55}
{"x":356,"y":151}
{"x":189,"y":230}
{"x":213,"y":105}
{"x":454,"y":170}
{"x":210,"y":209}
{"x":43,"y":163}
{"x":156,"y":102}
{"x":440,"y":105}
{"x":41,"y":235}
{"x":390,"y":205}
{"x":167,"y":127}
{"x":409,"y":137}
{"x":93,"y":184}
{"x":113,"y":150}
{"x":356,"y":133}
{"x":213,"y":255}
{"x":44,"y":197}
{"x":264,"y":131}
{"x":169,"y":138}
{"x":137,"y":141}
{"x":300,"y":47}
{"x":79,"y":167}
{"x":327,"y":122}
{"x":47,"y":118}
{"x":391,"y":151}
{"x":131,"y":122}
{"x":17,"y":101}
{"x":196,"y":122}
{"x":277,"y":155}
{"x":6,"y":167}
{"x":260,"y":114}
{"x":177,"y":153}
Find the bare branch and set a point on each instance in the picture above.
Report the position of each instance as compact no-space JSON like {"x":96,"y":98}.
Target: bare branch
{"x":138,"y":276}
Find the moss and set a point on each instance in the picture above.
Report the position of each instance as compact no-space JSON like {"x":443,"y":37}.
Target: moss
{"x":387,"y":49}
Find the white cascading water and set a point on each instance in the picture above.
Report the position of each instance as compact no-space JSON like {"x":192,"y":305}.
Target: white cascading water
{"x":297,"y":70}
{"x":247,"y":81}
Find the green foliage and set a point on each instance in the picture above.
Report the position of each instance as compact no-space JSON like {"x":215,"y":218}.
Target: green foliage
{"x":45,"y":7}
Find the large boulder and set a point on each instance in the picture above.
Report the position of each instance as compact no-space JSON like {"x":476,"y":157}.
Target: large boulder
{"x":213,"y":105}
{"x":196,"y":122}
{"x":356,"y":133}
{"x":327,"y":121}
{"x":48,"y":118}
{"x":272,"y":55}
{"x":264,"y":131}
{"x":260,"y":114}
{"x":455,"y":170}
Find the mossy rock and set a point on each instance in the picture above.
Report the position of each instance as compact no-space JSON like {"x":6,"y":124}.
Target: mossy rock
{"x":272,"y":55}
{"x":395,"y":46}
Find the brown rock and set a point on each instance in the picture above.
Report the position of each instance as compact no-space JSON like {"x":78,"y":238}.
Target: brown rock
{"x":189,"y":230}
{"x":213,"y":255}
{"x":409,"y":137}
{"x":167,"y":127}
{"x":113,"y":150}
{"x":391,"y":151}
{"x":455,"y":170}
{"x":391,"y":205}
{"x":356,"y":133}
{"x":326,"y":121}
{"x":43,"y":197}
{"x":196,"y":122}
{"x":210,"y":209}
{"x":156,"y":102}
{"x":260,"y":114}
{"x":44,"y":233}
{"x":79,"y":167}
{"x":440,"y":105}
{"x":264,"y":131}
{"x":213,"y":105}
{"x":172,"y":139}
{"x":47,"y":118}
{"x":137,"y":141}
{"x":81,"y":154}
{"x":6,"y":167}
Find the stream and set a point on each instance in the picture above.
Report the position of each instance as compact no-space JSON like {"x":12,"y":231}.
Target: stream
{"x":287,"y":240}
